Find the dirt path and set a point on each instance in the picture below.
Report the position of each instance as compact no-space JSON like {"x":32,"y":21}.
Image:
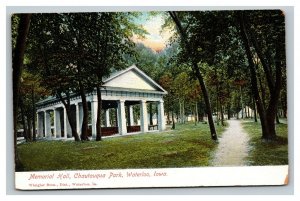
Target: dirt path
{"x":233,"y":146}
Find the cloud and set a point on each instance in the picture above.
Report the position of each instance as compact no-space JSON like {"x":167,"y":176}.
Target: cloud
{"x":157,"y":39}
{"x":155,"y":45}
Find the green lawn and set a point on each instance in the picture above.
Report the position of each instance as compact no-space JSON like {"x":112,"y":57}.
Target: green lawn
{"x":267,"y":153}
{"x":187,"y":146}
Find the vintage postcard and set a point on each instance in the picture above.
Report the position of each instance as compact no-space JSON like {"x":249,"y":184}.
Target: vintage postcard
{"x":149,"y":99}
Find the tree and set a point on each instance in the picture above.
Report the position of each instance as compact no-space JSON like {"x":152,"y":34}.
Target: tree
{"x":49,"y":53}
{"x":166,"y":82}
{"x":249,"y":35}
{"x":263,"y":37}
{"x":189,"y":48}
{"x":110,"y":49}
{"x":79,"y":51}
{"x":79,"y":36}
{"x":180,"y":87}
{"x":17,"y":65}
{"x":30,"y":91}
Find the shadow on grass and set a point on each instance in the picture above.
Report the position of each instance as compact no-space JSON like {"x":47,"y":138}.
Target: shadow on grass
{"x":188,"y":145}
{"x":267,"y":153}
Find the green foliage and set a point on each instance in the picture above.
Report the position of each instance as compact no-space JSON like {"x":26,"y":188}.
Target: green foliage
{"x":154,"y":64}
{"x":212,"y":40}
{"x":187,"y":146}
{"x":72,"y":49}
{"x":31,"y":91}
{"x":267,"y":153}
{"x":71,"y":53}
{"x":148,"y":61}
{"x":14,"y":29}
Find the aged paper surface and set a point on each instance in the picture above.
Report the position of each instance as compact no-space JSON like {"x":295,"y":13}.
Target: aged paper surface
{"x":121,"y":91}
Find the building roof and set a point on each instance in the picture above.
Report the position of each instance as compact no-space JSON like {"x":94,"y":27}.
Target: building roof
{"x":133,"y":81}
{"x":129,"y":79}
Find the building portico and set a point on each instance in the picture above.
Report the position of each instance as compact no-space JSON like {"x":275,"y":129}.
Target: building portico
{"x":125,"y":99}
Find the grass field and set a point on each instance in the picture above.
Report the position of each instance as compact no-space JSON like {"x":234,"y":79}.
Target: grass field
{"x":267,"y":153}
{"x":187,"y":146}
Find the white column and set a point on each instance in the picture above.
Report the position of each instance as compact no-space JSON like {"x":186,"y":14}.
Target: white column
{"x":107,"y":123}
{"x":80,"y":118}
{"x":78,"y":127}
{"x":57,"y":123}
{"x":39,"y":124}
{"x":54,"y":123}
{"x":94,"y":107}
{"x":47,"y":124}
{"x":161,"y":116}
{"x":69,"y":130}
{"x":144,"y":116}
{"x":121,"y":117}
{"x":65,"y":123}
{"x":131,"y":115}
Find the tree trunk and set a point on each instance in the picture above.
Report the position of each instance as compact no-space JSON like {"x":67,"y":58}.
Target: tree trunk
{"x":274,"y":85}
{"x":72,"y":123}
{"x":195,"y":115}
{"x":150,"y":114}
{"x":254,"y":106}
{"x":242,"y":102}
{"x":29,"y":133}
{"x":180,"y":112}
{"x":127,"y":116}
{"x":275,"y":94}
{"x":208,"y":107}
{"x":173,"y":120}
{"x":262,"y":89}
{"x":228,"y":111}
{"x":229,"y":102}
{"x":284,"y":106}
{"x":183,"y":112}
{"x":99,"y":116}
{"x":222,"y":116}
{"x":17,"y":65}
{"x":217,"y":106}
{"x":116,"y":117}
{"x":196,"y":112}
{"x":277,"y":119}
{"x":238,"y":107}
{"x":168,"y":118}
{"x":248,"y":112}
{"x":25,"y":134}
{"x":217,"y":97}
{"x":69,"y":116}
{"x":84,"y":128}
{"x":198,"y":75}
{"x":254,"y":87}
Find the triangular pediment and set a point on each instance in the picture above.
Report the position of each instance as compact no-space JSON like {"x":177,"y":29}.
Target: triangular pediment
{"x":132,"y":78}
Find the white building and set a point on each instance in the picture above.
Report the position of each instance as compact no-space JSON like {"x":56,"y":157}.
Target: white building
{"x":246,"y":112}
{"x":120,"y":92}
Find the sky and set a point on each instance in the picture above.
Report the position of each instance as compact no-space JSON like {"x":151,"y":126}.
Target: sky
{"x":156,"y":39}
